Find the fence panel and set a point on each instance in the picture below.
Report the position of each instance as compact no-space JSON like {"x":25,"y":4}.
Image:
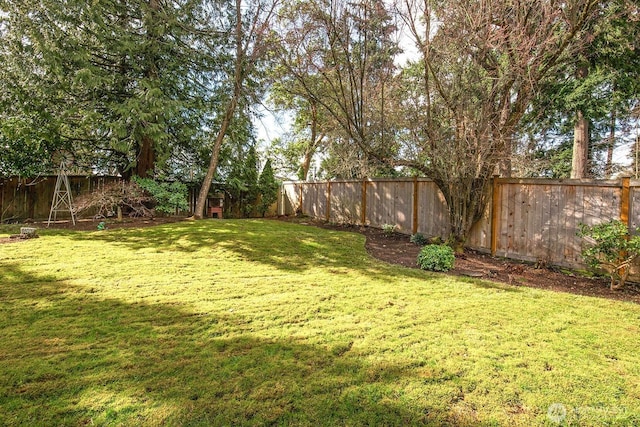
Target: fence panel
{"x":433,"y":217}
{"x":289,"y":199}
{"x":634,"y":205}
{"x":314,"y":199}
{"x":390,"y":202}
{"x":22,"y":198}
{"x":539,"y":220}
{"x":346,"y":202}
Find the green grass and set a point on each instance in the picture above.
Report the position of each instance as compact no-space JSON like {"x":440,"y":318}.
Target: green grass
{"x":263,"y":322}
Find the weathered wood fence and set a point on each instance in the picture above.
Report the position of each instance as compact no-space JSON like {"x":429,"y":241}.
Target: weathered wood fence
{"x":526,"y":219}
{"x":23,"y":198}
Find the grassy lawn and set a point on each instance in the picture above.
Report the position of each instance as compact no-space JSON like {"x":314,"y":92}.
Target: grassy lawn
{"x":262,"y":322}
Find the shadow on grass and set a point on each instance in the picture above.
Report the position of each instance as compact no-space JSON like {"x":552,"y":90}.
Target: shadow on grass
{"x":486,"y":284}
{"x":288,"y":247}
{"x":72,"y":357}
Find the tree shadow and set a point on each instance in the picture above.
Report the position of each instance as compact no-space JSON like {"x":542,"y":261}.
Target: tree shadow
{"x":287,"y":247}
{"x":71,"y":356}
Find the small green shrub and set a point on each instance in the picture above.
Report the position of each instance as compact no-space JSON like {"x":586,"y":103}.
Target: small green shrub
{"x":388,"y":229}
{"x":610,"y":248}
{"x":169,"y":196}
{"x":419,"y":239}
{"x":436,"y":258}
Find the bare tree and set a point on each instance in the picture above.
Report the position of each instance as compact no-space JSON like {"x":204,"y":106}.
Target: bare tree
{"x":481,"y":64}
{"x":338,"y":56}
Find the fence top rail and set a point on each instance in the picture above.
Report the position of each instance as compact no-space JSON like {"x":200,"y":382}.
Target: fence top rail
{"x":567,"y":182}
{"x":520,"y":181}
{"x":358,"y":181}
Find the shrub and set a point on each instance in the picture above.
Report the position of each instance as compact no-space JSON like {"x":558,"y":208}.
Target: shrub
{"x":610,"y":248}
{"x":388,"y":229}
{"x":436,"y":258}
{"x":168,"y":196}
{"x":419,"y":239}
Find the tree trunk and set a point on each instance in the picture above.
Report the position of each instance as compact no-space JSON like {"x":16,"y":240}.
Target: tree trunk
{"x":313,"y":143}
{"x":306,"y":164}
{"x":238,"y":77}
{"x":213,"y":163}
{"x":608,"y":169}
{"x":580,"y":155}
{"x":145,"y":157}
{"x":465,"y":207}
{"x":580,"y":147}
{"x":505,"y":162}
{"x":145,"y":163}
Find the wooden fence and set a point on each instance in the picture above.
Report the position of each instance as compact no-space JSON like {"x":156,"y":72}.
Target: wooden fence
{"x":526,"y":219}
{"x":23,"y":198}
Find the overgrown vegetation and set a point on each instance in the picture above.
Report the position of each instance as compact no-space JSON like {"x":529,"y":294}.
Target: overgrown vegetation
{"x":436,"y":258}
{"x":260,"y":322}
{"x":610,"y":248}
{"x":116,"y":198}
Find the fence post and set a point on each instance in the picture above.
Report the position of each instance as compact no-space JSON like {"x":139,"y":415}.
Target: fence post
{"x":495,"y":207}
{"x":414,"y":226}
{"x":625,"y":200}
{"x":363,"y":209}
{"x":328,"y":213}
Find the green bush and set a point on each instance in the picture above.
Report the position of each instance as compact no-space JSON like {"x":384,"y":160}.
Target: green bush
{"x":436,"y":258}
{"x":419,"y":239}
{"x":611,"y":248}
{"x":169,"y":196}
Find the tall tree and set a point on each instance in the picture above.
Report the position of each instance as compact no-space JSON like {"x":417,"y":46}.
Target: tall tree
{"x":591,"y":98}
{"x":268,"y":187}
{"x":251,"y":46}
{"x":338,"y":58}
{"x":481,"y":65}
{"x":116,"y":83}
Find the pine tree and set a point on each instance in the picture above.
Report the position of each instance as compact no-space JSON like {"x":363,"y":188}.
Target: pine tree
{"x":116,"y":84}
{"x":268,"y":187}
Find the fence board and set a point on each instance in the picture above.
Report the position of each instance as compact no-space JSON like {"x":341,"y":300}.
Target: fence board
{"x":346,"y":201}
{"x":433,"y":219}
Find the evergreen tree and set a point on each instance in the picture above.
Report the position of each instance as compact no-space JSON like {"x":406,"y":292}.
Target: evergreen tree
{"x":117,"y":84}
{"x":268,"y":186}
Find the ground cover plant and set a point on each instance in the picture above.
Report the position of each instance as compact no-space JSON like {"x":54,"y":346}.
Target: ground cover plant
{"x":254,"y":322}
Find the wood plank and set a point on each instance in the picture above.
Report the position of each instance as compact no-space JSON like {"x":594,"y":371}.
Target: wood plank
{"x":503,"y":240}
{"x":511,"y":207}
{"x":577,"y":219}
{"x":553,"y":224}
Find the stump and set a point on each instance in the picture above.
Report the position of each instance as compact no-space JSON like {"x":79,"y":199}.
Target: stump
{"x":29,"y":232}
{"x":26,"y":233}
